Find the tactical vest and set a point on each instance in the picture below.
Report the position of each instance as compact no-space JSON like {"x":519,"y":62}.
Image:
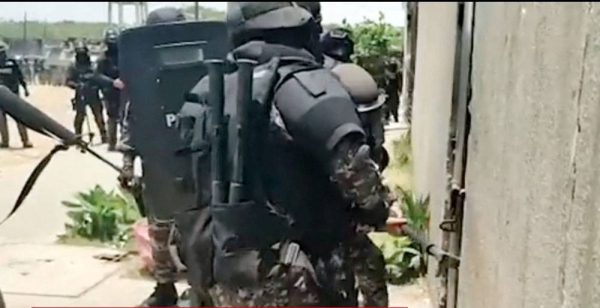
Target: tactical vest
{"x":110,"y":67}
{"x":88,"y":91}
{"x":284,"y":202}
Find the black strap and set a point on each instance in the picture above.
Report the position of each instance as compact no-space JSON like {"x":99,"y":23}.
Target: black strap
{"x":33,"y":178}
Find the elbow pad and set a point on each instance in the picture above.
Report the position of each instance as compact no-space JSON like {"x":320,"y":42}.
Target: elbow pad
{"x":317,"y":111}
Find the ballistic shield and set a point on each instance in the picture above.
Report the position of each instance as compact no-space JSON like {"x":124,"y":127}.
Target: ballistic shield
{"x":159,"y":64}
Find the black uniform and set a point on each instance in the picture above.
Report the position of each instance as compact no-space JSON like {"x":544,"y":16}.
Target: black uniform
{"x":311,"y":168}
{"x":392,"y":89}
{"x":11,"y":76}
{"x":80,"y":77}
{"x":108,"y":68}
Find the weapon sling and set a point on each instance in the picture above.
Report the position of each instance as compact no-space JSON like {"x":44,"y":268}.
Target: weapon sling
{"x":38,"y":121}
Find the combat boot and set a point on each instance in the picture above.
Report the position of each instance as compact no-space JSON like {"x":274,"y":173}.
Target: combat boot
{"x":164,"y":295}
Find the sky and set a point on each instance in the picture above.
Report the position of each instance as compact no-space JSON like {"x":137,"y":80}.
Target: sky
{"x":333,"y":12}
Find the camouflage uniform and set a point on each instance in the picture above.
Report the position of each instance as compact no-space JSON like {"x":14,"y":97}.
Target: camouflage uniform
{"x":165,"y":271}
{"x":369,"y":267}
{"x":319,"y":273}
{"x":366,"y":258}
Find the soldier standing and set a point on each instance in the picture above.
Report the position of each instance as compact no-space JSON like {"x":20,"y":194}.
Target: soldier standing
{"x":312,"y":123}
{"x":108,"y":66}
{"x":11,"y":76}
{"x":366,"y":258}
{"x":392,"y":89}
{"x":80,"y":77}
{"x":160,"y":223}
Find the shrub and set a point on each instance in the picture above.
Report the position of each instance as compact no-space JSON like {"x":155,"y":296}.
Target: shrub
{"x":98,"y":215}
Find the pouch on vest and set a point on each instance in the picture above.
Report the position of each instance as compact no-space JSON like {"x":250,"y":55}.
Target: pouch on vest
{"x":194,"y":130}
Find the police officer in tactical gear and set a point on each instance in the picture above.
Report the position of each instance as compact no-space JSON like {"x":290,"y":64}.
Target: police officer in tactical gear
{"x":108,"y":68}
{"x":80,"y":77}
{"x":366,"y":258}
{"x":11,"y":77}
{"x":311,"y":168}
{"x":165,"y":271}
{"x":337,"y":47}
{"x":393,"y":85}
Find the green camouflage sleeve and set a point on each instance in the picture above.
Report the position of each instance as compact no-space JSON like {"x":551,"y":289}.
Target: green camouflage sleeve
{"x":125,"y":145}
{"x":359,"y":179}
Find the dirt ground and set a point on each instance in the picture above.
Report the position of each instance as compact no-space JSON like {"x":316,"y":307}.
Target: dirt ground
{"x":42,"y":216}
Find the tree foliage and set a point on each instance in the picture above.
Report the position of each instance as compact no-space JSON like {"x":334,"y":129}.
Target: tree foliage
{"x":375,"y":44}
{"x":375,"y":38}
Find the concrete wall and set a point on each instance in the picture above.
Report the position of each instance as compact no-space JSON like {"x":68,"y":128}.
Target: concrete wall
{"x":532,"y":218}
{"x":431,"y":111}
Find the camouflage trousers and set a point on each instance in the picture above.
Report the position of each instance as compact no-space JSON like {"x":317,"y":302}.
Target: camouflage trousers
{"x":285,"y":286}
{"x":369,"y":267}
{"x":165,"y":270}
{"x":332,"y":284}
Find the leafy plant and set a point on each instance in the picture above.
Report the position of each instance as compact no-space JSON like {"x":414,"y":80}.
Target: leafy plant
{"x":406,"y":260}
{"x":98,"y":215}
{"x":415,"y":209}
{"x":402,"y":151}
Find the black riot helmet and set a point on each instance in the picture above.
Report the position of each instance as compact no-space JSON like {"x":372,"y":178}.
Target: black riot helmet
{"x":165,"y":15}
{"x":315,"y":10}
{"x":337,"y":44}
{"x":255,"y":19}
{"x":81,"y":53}
{"x":111,"y":38}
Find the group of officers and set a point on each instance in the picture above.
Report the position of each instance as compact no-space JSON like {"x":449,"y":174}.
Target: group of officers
{"x":319,"y":167}
{"x":93,"y":89}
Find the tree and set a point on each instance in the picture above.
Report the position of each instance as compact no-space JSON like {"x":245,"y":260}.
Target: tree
{"x":375,"y":43}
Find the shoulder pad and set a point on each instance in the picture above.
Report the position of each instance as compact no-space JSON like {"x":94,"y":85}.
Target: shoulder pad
{"x":358,"y":82}
{"x":317,"y":111}
{"x":310,"y":81}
